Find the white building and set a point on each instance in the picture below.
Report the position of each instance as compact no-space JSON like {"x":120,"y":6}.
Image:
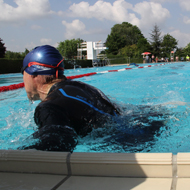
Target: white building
{"x":92,"y":49}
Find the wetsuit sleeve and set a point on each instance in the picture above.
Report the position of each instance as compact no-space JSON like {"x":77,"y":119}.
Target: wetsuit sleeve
{"x":55,"y":138}
{"x":54,"y":133}
{"x":50,"y":114}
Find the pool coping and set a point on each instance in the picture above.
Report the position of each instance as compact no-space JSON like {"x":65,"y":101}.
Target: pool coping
{"x":97,"y":165}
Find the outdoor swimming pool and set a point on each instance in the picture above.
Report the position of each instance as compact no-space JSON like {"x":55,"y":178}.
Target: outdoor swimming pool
{"x":140,"y":93}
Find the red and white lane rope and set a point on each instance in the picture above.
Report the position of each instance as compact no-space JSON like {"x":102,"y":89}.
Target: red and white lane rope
{"x":21,"y":85}
{"x":11,"y":87}
{"x":128,"y":68}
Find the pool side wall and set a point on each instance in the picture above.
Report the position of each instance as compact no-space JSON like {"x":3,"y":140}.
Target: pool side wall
{"x":142,"y":165}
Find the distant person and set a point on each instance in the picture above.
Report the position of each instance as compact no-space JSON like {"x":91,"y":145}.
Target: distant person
{"x":153,"y":59}
{"x":162,"y":59}
{"x":156,"y":59}
{"x":177,"y":58}
{"x":147,"y":59}
{"x":144,"y":58}
{"x":172,"y":59}
{"x":166,"y":58}
{"x":182,"y":58}
{"x":187,"y":58}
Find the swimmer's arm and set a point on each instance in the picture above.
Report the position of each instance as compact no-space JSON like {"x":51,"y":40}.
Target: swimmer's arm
{"x":47,"y":114}
{"x":54,"y":138}
{"x":54,"y":133}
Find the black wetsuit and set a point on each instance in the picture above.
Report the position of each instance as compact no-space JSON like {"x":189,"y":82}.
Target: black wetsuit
{"x":71,"y":108}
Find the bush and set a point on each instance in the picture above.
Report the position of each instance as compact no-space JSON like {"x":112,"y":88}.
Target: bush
{"x":15,"y":65}
{"x":136,"y":60}
{"x":69,"y":64}
{"x":119,"y":59}
{"x":10,"y":66}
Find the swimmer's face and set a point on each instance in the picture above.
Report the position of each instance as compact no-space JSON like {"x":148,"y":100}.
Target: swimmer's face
{"x":30,"y":86}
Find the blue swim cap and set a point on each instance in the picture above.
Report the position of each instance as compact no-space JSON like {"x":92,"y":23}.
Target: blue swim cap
{"x":43,"y":60}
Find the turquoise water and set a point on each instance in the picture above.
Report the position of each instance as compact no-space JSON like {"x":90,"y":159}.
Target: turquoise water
{"x":138,"y":92}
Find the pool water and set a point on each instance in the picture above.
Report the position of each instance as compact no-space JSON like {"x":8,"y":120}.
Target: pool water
{"x":160,"y":94}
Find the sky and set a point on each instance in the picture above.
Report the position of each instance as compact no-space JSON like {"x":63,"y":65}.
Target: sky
{"x":30,"y":23}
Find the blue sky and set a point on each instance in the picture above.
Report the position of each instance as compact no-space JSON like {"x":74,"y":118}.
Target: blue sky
{"x":30,"y":23}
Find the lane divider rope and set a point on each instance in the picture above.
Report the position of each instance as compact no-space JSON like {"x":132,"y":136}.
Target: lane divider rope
{"x":21,"y":85}
{"x":11,"y":87}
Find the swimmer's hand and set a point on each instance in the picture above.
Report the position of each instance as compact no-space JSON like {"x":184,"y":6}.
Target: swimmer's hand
{"x":54,"y":138}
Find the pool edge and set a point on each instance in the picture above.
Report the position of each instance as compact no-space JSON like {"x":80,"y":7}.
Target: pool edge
{"x":88,"y":164}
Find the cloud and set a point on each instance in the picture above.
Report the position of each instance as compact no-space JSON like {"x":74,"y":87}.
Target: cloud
{"x":45,"y":41}
{"x":186,"y":20}
{"x":25,"y":9}
{"x":55,"y":44}
{"x":183,"y":38}
{"x":185,"y":4}
{"x":75,"y":28}
{"x":102,"y":10}
{"x":31,"y":45}
{"x":163,"y":1}
{"x":151,"y":13}
{"x":142,"y":14}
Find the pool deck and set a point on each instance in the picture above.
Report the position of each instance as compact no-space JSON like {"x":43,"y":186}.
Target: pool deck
{"x":31,"y":169}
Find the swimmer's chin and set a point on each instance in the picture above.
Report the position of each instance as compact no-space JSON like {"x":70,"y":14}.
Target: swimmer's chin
{"x":33,"y":98}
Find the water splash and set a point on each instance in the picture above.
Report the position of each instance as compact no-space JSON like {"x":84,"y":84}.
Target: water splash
{"x":17,"y":126}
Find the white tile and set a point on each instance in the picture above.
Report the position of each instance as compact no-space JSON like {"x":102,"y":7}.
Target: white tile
{"x":16,"y":181}
{"x":183,"y":165}
{"x":113,"y":183}
{"x":183,"y":184}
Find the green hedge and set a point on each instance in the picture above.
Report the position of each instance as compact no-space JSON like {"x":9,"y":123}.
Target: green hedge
{"x":123,"y":60}
{"x":15,"y":65}
{"x":10,"y":66}
{"x":120,"y":59}
{"x":136,"y":60}
{"x":69,"y":64}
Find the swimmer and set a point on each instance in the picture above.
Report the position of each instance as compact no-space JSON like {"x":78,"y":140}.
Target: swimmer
{"x":71,"y":109}
{"x":68,"y":108}
{"x":132,"y":64}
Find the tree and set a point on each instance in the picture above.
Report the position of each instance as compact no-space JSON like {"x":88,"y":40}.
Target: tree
{"x":68,"y":48}
{"x":168,"y":44}
{"x":114,"y":42}
{"x":181,"y":52}
{"x":2,"y":49}
{"x":26,"y":52}
{"x":187,"y":49}
{"x":16,"y":55}
{"x":143,"y":46}
{"x":122,"y":35}
{"x":156,"y":41}
{"x":130,"y":51}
